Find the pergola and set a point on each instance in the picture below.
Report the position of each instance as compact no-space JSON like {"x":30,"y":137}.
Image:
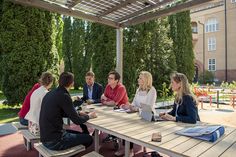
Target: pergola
{"x":115,"y":13}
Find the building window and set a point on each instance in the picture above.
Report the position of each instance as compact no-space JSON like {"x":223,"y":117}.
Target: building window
{"x":233,"y":1}
{"x":194,"y":27}
{"x":212,"y":25}
{"x":211,"y":44}
{"x":212,"y":64}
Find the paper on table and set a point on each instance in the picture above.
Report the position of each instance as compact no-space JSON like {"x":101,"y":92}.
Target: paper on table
{"x":122,"y":110}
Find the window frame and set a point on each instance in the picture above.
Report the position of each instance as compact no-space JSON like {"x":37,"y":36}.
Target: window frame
{"x":211,"y":42}
{"x":211,"y":65}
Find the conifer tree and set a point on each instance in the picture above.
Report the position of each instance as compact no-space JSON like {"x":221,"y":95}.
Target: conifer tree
{"x":26,"y":34}
{"x":66,"y":43}
{"x":181,"y":34}
{"x":78,"y":51}
{"x":103,"y":40}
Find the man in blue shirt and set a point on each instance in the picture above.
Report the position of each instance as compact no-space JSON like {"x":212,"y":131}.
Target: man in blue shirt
{"x":92,"y":91}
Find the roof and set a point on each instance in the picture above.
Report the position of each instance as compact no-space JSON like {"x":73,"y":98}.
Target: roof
{"x":115,"y":13}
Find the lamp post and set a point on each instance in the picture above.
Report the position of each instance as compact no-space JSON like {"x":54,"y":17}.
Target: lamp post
{"x":203,"y":51}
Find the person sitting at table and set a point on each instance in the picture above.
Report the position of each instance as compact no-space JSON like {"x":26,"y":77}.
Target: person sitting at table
{"x":92,"y":91}
{"x":36,"y":98}
{"x":115,"y":93}
{"x":57,"y":104}
{"x":145,"y":94}
{"x":185,"y":105}
{"x":26,"y":104}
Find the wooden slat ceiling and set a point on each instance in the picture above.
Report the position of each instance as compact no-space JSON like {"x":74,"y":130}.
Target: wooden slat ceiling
{"x":115,"y":13}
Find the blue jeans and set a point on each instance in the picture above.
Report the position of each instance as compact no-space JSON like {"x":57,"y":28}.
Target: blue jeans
{"x":23,"y":121}
{"x":69,"y":139}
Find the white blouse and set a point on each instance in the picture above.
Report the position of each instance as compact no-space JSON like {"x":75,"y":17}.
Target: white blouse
{"x":145,"y":97}
{"x":35,"y":104}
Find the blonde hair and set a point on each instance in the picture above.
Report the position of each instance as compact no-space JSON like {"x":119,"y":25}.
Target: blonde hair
{"x":147,"y":80}
{"x":184,"y":87}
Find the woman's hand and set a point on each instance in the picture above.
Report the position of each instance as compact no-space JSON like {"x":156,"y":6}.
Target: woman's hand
{"x":162,"y":113}
{"x":169,"y":117}
{"x":125,"y":106}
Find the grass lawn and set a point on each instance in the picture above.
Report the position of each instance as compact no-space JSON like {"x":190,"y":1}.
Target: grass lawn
{"x":8,"y":113}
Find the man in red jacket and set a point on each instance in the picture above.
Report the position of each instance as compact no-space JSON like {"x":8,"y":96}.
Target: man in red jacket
{"x":115,"y":93}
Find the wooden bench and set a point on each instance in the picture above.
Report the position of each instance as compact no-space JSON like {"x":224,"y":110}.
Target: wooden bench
{"x":45,"y":152}
{"x":29,"y":138}
{"x":18,"y":126}
{"x":92,"y":154}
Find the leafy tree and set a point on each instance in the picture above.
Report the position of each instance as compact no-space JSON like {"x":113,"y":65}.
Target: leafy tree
{"x":160,"y":60}
{"x":181,"y":34}
{"x":147,"y":47}
{"x":26,"y":34}
{"x":66,"y":46}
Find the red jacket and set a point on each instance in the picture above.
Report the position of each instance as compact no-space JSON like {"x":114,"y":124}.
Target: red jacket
{"x":118,"y":94}
{"x":26,"y":104}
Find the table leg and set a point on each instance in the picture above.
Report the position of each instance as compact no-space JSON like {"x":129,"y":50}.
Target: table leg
{"x":96,"y":140}
{"x":127,"y":148}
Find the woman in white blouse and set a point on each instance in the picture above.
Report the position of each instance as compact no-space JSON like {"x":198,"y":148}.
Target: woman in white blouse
{"x":146,"y":93}
{"x":36,"y":98}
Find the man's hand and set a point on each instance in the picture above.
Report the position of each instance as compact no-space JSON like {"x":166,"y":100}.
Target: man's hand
{"x":75,"y":98}
{"x":82,"y":113}
{"x":92,"y":115}
{"x":103,"y":97}
{"x":109,"y":103}
{"x":89,"y":101}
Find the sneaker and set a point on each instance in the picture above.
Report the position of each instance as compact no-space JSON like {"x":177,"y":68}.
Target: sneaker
{"x":109,"y":138}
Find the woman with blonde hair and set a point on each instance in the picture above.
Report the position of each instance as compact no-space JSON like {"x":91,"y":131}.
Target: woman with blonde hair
{"x":185,"y":104}
{"x":145,"y":94}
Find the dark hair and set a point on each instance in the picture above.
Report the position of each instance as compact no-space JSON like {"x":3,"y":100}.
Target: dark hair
{"x":116,"y":74}
{"x":90,"y":73}
{"x":66,"y":79}
{"x":46,"y":78}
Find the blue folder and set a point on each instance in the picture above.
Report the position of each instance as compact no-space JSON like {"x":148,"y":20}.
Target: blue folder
{"x":207,"y":133}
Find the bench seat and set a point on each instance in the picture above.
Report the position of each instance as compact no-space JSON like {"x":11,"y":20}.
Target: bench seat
{"x":45,"y":152}
{"x":18,"y":126}
{"x":29,"y":138}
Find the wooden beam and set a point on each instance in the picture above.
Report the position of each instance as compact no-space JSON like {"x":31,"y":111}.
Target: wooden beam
{"x":65,"y":11}
{"x":121,"y":5}
{"x":73,"y":3}
{"x":165,"y":12}
{"x":145,"y":10}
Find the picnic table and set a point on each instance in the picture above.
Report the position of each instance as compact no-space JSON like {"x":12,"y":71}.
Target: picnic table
{"x":131,"y":128}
